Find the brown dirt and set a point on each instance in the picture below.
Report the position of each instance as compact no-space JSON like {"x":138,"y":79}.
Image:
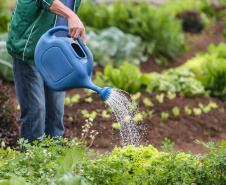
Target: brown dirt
{"x":182,"y":130}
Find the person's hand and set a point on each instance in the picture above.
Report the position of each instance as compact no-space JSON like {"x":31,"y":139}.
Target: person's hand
{"x":76,"y":28}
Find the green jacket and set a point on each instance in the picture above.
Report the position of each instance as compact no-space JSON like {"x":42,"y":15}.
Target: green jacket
{"x":30,"y":20}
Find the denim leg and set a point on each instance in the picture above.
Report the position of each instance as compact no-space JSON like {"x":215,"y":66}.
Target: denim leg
{"x":54,"y":112}
{"x":31,"y":96}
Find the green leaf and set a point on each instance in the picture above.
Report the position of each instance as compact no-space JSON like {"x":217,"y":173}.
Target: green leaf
{"x":89,"y":100}
{"x":67,"y":101}
{"x":176,"y":111}
{"x":75,"y":98}
{"x":148,"y":102}
{"x":116,"y":126}
{"x":69,"y":162}
{"x":68,"y":179}
{"x":160,"y":97}
{"x":187,"y":110}
{"x":136,"y":96}
{"x":164,"y":115}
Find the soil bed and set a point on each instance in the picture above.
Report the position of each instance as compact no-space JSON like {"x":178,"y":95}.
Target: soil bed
{"x":183,"y":130}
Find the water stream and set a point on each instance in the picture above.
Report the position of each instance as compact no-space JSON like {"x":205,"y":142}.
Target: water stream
{"x":124,"y":112}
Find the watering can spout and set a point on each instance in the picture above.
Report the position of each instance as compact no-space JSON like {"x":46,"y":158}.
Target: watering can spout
{"x":104,"y":92}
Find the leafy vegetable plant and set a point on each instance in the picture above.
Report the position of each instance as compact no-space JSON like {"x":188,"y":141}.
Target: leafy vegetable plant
{"x":176,"y":111}
{"x":89,"y":100}
{"x":197,"y":111}
{"x":116,"y":126}
{"x":147,"y":102}
{"x":86,"y":114}
{"x":164,"y":115}
{"x":138,"y":117}
{"x":171,"y":95}
{"x":75,"y":98}
{"x":187,"y":110}
{"x":136,"y":96}
{"x":160,"y":97}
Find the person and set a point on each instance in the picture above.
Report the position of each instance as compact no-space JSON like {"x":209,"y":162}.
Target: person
{"x":41,"y":108}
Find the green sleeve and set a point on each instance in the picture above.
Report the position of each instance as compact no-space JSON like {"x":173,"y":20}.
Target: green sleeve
{"x":44,"y":4}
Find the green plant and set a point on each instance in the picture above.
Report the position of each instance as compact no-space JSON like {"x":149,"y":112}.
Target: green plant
{"x":136,"y":97}
{"x":160,"y":97}
{"x":150,"y":113}
{"x":138,"y":117}
{"x":215,"y":71}
{"x":160,"y":31}
{"x":67,"y":101}
{"x":197,"y":111}
{"x":187,"y":110}
{"x":89,"y":100}
{"x":215,"y":160}
{"x":164,"y":115}
{"x":75,"y":98}
{"x":171,"y":95}
{"x":86,"y":114}
{"x":213,"y":105}
{"x":123,"y":47}
{"x":147,"y":102}
{"x":176,"y":111}
{"x":116,"y":126}
{"x":105,"y":114}
{"x":127,"y":77}
{"x":205,"y":109}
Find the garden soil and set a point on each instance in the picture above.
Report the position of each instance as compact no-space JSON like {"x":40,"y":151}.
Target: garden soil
{"x":183,"y":130}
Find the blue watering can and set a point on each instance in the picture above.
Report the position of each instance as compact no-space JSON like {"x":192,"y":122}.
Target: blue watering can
{"x":64,"y":65}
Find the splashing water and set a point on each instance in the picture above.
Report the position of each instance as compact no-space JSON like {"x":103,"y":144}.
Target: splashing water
{"x":124,"y":112}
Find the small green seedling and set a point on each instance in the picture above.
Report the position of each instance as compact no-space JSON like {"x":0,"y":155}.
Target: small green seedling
{"x":197,"y":111}
{"x":18,"y":107}
{"x":187,"y":110}
{"x":204,"y":109}
{"x":109,"y":110}
{"x":213,"y":105}
{"x":164,"y":115}
{"x":148,"y":102}
{"x":160,"y":97}
{"x":86,"y":114}
{"x":67,"y":101}
{"x":171,"y":95}
{"x":99,"y":110}
{"x":144,"y":114}
{"x":138,"y":117}
{"x":89,"y":100}
{"x":176,"y":111}
{"x":116,"y":126}
{"x":161,"y":125}
{"x":75,"y":98}
{"x":133,"y":106}
{"x":136,"y":96}
{"x":105,"y":114}
{"x":150,"y":113}
{"x":126,"y":119}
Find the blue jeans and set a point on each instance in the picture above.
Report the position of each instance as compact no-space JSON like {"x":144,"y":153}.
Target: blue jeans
{"x":41,"y":108}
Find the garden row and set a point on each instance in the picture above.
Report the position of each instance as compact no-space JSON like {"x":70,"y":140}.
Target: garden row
{"x":202,"y":75}
{"x":74,"y":163}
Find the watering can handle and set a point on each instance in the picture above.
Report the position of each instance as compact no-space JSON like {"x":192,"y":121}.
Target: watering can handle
{"x":84,"y":47}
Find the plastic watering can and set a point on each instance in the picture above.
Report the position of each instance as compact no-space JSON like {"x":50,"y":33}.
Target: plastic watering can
{"x":65,"y":65}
